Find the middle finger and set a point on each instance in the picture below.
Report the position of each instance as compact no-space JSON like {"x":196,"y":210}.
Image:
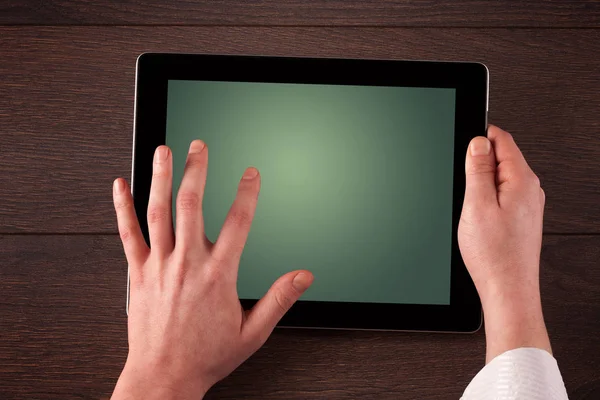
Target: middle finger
{"x":189,"y":223}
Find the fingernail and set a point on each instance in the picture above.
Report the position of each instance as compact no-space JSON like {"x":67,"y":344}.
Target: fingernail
{"x":250,"y":173}
{"x":118,"y":186}
{"x":161,"y":154}
{"x":480,"y":146}
{"x":196,"y":146}
{"x":302,"y":281}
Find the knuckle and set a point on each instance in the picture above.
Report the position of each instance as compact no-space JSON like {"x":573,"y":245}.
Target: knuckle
{"x":157,"y":213}
{"x":481,"y":169}
{"x":528,"y":182}
{"x":188,"y":201}
{"x":122,"y":204}
{"x":160,"y":172}
{"x":504,"y":134}
{"x":179,"y":274}
{"x":194,"y":160}
{"x":240,"y":217}
{"x":178,"y":261}
{"x":213,"y":274}
{"x":125,"y":234}
{"x":185,"y":244}
{"x":218,"y":260}
{"x":535,"y":180}
{"x":520,"y":180}
{"x":283,"y":300}
{"x":136,"y":280}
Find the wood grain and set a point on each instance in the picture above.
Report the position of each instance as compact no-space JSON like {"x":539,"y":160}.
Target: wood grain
{"x":460,"y":13}
{"x":66,"y":107}
{"x":64,"y":333}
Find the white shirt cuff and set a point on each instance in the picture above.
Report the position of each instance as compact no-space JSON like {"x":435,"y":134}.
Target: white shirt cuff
{"x":519,"y":374}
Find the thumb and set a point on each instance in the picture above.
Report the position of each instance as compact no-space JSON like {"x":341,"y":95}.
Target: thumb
{"x":267,"y":312}
{"x":480,"y":170}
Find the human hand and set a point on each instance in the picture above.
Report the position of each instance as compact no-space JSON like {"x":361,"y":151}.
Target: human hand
{"x":500,"y":238}
{"x":187,"y":328}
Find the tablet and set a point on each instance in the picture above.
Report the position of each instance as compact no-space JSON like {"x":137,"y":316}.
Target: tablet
{"x":362,"y":176}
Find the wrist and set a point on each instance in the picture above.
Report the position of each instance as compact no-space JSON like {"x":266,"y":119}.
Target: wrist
{"x":513,"y":318}
{"x":135,"y":383}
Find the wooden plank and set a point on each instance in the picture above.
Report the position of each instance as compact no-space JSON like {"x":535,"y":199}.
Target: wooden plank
{"x":446,"y":13}
{"x":64,"y":332}
{"x":66,"y":107}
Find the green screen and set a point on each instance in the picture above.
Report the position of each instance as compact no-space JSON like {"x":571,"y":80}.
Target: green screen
{"x":356,"y":183}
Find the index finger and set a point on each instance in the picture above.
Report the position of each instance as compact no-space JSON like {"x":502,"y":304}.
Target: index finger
{"x":511,"y":162}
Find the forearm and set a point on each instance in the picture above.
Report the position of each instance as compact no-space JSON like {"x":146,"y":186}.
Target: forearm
{"x":513,"y":320}
{"x":518,"y":353}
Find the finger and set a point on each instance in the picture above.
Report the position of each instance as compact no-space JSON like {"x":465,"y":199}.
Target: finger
{"x":132,"y":239}
{"x":511,"y":162}
{"x":160,"y":223}
{"x":480,"y":170}
{"x":189,"y":223}
{"x":269,"y":310}
{"x":232,"y":238}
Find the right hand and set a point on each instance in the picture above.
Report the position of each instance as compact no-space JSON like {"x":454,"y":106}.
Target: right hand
{"x":500,"y":237}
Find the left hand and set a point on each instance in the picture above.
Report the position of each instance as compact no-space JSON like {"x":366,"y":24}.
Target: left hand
{"x":187,"y":328}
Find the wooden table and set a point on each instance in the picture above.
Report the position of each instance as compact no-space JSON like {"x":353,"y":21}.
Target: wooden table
{"x":66,"y":105}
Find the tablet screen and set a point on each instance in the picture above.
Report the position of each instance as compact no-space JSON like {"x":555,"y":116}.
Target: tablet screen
{"x":356,"y":183}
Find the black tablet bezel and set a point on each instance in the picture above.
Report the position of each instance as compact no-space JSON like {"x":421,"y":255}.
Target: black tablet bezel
{"x":471,"y":83}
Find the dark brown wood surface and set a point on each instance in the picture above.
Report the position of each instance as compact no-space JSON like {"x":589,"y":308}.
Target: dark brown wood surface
{"x":486,"y":13}
{"x":66,"y":108}
{"x":64,"y":332}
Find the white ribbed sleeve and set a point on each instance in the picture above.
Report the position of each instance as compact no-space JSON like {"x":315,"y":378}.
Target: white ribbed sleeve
{"x":519,"y":374}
